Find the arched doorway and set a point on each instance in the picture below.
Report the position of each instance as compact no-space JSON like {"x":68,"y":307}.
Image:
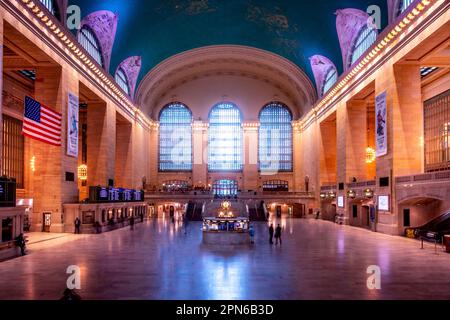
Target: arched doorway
{"x":225,"y":188}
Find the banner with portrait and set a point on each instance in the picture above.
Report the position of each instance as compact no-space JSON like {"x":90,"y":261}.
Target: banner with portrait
{"x":72,"y":125}
{"x":381,"y":133}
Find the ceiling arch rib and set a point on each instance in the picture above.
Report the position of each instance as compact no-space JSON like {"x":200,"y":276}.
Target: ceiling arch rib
{"x":226,"y":60}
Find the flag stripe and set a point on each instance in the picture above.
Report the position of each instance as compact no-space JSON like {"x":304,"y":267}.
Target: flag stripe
{"x":43,"y":134}
{"x":39,"y":138}
{"x":32,"y":124}
{"x":51,"y":112}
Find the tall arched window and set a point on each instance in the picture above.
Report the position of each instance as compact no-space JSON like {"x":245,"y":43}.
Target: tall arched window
{"x":122,"y":81}
{"x":364,"y":41}
{"x":89,"y":41}
{"x":175,"y":138}
{"x":275,"y":138}
{"x":330,"y":80}
{"x":225,"y":138}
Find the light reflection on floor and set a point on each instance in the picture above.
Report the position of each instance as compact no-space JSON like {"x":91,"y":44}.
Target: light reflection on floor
{"x":159,"y":260}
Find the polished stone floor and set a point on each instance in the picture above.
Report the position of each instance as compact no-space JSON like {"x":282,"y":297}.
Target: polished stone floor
{"x":318,"y":260}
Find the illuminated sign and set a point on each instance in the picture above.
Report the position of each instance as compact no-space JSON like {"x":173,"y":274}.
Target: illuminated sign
{"x":383,"y":203}
{"x":340,"y":202}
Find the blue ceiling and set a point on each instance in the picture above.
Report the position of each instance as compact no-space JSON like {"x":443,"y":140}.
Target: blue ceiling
{"x":159,"y":29}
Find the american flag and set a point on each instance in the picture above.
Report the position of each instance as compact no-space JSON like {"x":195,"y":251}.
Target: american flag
{"x":41,"y":123}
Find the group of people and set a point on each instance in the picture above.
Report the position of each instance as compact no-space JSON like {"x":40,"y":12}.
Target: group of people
{"x":273,"y":233}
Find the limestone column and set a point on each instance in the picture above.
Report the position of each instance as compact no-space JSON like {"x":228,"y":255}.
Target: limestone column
{"x":124,"y":155}
{"x":250,"y":170}
{"x":200,"y":153}
{"x":402,"y":84}
{"x":50,"y":188}
{"x":355,"y":141}
{"x":298,"y":168}
{"x":101,"y":143}
{"x":153,"y":146}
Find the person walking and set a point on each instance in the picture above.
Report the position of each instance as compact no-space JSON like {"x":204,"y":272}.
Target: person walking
{"x":278,"y":235}
{"x":252,"y":234}
{"x":77,"y":226}
{"x":21,"y":243}
{"x":271,"y":232}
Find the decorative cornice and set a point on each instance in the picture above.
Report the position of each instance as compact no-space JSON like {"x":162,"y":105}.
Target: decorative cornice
{"x":228,"y":57}
{"x":381,"y":46}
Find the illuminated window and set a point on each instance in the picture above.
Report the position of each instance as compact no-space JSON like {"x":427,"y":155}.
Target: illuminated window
{"x":122,"y":81}
{"x":275,"y":185}
{"x":224,"y":188}
{"x":275,"y":138}
{"x":225,"y":138}
{"x":175,"y":138}
{"x":330,"y":80}
{"x":437,"y":133}
{"x":364,"y":41}
{"x":404,"y":4}
{"x":424,"y":71}
{"x":50,"y":5}
{"x":89,"y":41}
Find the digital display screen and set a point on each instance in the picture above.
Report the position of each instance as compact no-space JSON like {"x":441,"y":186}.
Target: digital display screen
{"x":113,"y":195}
{"x":340,"y":202}
{"x":138,"y":196}
{"x":383,"y":203}
{"x":127,"y":195}
{"x":103,"y":194}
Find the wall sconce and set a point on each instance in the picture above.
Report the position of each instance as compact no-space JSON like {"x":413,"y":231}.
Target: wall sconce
{"x":33,"y":164}
{"x":82,"y":172}
{"x":323,"y":196}
{"x":351,"y":194}
{"x":368,"y":193}
{"x":332,"y":195}
{"x":370,"y":155}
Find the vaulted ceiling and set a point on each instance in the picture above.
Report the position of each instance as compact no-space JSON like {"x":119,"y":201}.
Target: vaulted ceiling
{"x":159,"y":29}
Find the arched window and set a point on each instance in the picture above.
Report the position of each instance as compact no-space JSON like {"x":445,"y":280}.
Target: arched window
{"x":330,"y":80}
{"x":275,"y":138}
{"x":122,"y":81}
{"x":89,"y":41}
{"x":175,"y":138}
{"x":364,"y":41}
{"x":51,"y":6}
{"x":404,"y":4}
{"x":225,"y":138}
{"x":225,"y":188}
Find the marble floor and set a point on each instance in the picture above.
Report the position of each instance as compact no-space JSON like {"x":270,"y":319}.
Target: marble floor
{"x":318,"y":260}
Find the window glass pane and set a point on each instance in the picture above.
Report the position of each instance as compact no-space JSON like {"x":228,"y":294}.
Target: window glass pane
{"x":175,"y":138}
{"x":49,"y":4}
{"x":13,"y":162}
{"x":225,"y":138}
{"x":330,"y":80}
{"x":89,"y":42}
{"x":122,"y":81}
{"x":437,"y":133}
{"x":275,"y":139}
{"x":405,"y":4}
{"x":365,"y":40}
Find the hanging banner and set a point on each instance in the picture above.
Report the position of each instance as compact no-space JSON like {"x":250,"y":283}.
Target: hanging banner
{"x":72,"y":126}
{"x":381,"y":125}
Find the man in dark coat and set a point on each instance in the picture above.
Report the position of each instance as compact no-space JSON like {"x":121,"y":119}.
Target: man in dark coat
{"x":278,"y":235}
{"x":271,"y":233}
